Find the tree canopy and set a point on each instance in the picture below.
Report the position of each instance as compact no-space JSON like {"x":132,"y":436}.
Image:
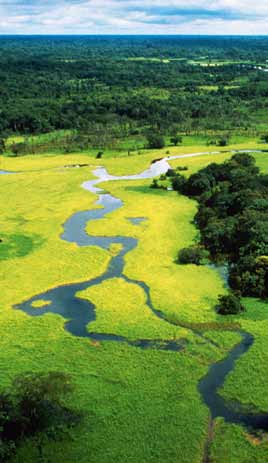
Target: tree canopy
{"x":233,"y":219}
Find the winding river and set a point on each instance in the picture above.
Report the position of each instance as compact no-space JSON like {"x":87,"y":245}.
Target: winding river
{"x":79,"y":313}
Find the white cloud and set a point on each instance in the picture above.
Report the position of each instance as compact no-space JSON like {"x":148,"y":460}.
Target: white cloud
{"x":134,"y":16}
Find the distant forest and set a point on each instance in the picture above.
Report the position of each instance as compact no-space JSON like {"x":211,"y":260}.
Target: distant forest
{"x":105,"y":88}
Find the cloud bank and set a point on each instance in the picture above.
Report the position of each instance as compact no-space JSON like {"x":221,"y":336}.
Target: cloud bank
{"x":134,"y":17}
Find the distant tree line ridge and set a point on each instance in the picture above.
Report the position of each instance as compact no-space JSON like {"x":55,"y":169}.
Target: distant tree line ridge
{"x":121,"y":87}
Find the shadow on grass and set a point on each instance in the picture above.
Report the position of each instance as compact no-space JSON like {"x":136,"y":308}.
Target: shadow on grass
{"x":145,"y":189}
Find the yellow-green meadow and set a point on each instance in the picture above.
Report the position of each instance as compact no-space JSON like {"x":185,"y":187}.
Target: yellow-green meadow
{"x":139,"y":405}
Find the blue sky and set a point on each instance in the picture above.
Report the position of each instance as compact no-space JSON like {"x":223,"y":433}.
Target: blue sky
{"x":134,"y":17}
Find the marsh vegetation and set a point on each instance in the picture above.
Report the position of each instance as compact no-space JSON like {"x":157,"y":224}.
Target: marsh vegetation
{"x":156,"y":333}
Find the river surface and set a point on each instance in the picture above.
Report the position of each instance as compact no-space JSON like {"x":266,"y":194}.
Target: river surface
{"x":79,"y":313}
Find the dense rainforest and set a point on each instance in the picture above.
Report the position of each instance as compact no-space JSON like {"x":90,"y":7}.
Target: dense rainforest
{"x":103,"y":89}
{"x":233,"y":219}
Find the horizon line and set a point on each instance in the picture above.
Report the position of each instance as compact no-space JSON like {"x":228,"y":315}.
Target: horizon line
{"x":128,"y":35}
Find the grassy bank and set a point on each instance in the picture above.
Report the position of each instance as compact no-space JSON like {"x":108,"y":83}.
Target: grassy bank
{"x":139,"y":405}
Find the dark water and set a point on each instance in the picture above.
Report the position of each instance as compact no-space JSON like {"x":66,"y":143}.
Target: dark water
{"x":223,"y":271}
{"x":79,"y":313}
{"x":136,"y":220}
{"x":218,"y":406}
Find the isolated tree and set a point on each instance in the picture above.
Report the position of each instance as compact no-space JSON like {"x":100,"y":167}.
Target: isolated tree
{"x":229,"y":304}
{"x":192,"y":255}
{"x":155,"y":140}
{"x":264,"y":138}
{"x":176,"y":139}
{"x":2,"y":146}
{"x":154,"y":184}
{"x":18,"y":148}
{"x":34,"y":408}
{"x":223,"y":141}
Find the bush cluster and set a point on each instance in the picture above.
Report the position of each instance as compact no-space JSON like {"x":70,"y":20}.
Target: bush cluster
{"x":34,"y":408}
{"x":233,"y":219}
{"x":192,"y":255}
{"x":229,"y":304}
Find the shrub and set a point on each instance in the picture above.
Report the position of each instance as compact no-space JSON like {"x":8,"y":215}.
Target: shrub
{"x":192,"y":255}
{"x":223,"y":141}
{"x":19,"y":149}
{"x":264,"y":138}
{"x":154,"y":184}
{"x":176,"y":139}
{"x":170,"y":173}
{"x":155,"y":140}
{"x":179,"y":183}
{"x":211,"y":142}
{"x":34,"y":408}
{"x":2,"y":146}
{"x":229,"y":305}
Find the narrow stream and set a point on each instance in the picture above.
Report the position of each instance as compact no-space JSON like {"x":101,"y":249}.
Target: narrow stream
{"x":63,"y":300}
{"x":79,"y":313}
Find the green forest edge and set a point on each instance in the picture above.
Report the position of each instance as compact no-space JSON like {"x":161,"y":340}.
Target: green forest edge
{"x":120,"y":96}
{"x":233,"y":220}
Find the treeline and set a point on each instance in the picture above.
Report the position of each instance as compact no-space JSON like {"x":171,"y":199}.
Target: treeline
{"x":49,"y":84}
{"x":233,"y":219}
{"x":190,"y":112}
{"x":91,"y":46}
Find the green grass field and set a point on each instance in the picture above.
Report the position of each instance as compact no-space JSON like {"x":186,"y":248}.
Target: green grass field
{"x":135,"y":145}
{"x":169,"y":220}
{"x":139,"y":405}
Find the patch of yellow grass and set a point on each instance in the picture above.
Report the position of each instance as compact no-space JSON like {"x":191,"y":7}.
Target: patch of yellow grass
{"x":38,"y":204}
{"x":121,"y":309}
{"x":189,"y":291}
{"x":123,"y":391}
{"x":39,"y":304}
{"x":121,"y":165}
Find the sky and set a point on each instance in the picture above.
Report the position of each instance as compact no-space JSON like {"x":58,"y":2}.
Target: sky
{"x":222,"y":17}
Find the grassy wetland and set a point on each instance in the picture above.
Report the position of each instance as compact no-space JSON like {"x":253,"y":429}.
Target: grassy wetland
{"x":92,"y":283}
{"x":126,"y":392}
